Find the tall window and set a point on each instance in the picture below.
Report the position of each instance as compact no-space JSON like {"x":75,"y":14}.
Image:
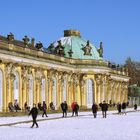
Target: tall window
{"x":43,"y":90}
{"x":54,"y":91}
{"x":16,"y":87}
{"x":1,"y":88}
{"x":31,"y":91}
{"x":89,"y":89}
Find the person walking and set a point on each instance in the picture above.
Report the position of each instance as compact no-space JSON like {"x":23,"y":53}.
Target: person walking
{"x":94,"y":109}
{"x":135,"y":107}
{"x":73,"y":108}
{"x":104,"y":109}
{"x":44,"y":108}
{"x":39,"y":106}
{"x":26,"y":107}
{"x":76,"y":109}
{"x":34,"y":113}
{"x":124,"y":108}
{"x":64,"y":108}
{"x":119,"y":106}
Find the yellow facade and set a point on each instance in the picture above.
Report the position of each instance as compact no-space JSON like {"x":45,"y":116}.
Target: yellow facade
{"x":31,"y":75}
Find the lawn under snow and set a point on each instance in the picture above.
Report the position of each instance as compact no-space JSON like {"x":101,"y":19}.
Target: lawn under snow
{"x":114,"y":127}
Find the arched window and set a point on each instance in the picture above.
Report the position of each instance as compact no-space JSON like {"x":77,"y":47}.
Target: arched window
{"x":64,"y":90}
{"x":43,"y":90}
{"x":90,"y":92}
{"x":16,"y":87}
{"x":31,"y":91}
{"x":54,"y":90}
{"x":1,"y":89}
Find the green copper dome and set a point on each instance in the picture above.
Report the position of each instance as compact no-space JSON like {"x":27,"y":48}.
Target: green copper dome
{"x":73,"y":46}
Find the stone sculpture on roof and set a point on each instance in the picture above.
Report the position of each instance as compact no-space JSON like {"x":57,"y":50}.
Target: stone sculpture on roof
{"x":87,"y":49}
{"x":100,"y":50}
{"x":59,"y":50}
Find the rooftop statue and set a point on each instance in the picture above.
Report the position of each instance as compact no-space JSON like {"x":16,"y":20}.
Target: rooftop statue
{"x":59,"y":49}
{"x":100,"y":50}
{"x":39,"y":45}
{"x":10,"y":37}
{"x":70,"y":53}
{"x":87,"y":49}
{"x":26,"y":40}
{"x":51,"y":48}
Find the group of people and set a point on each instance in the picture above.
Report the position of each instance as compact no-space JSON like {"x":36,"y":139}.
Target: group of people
{"x":43,"y":107}
{"x":64,"y":106}
{"x":74,"y":107}
{"x":14,"y":106}
{"x":104,"y":109}
{"x":122,"y":108}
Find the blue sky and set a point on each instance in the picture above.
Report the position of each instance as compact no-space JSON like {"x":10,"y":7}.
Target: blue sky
{"x":114,"y":22}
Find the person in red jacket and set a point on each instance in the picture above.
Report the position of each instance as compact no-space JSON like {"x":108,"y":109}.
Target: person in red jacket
{"x":73,"y":108}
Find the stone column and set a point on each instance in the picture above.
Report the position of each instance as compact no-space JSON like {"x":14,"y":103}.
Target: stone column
{"x":78,"y":93}
{"x":47,"y":83}
{"x":98,"y":86}
{"x":67,"y":90}
{"x":60,"y":88}
{"x":37,"y":99}
{"x":109,"y":92}
{"x":34,"y":86}
{"x":57,"y":92}
{"x":23,"y":93}
{"x":70,"y":92}
{"x":112,"y":92}
{"x":106,"y":91}
{"x":5,"y":103}
{"x":115,"y":92}
{"x":27,"y":91}
{"x":82,"y":92}
{"x":126,"y":92}
{"x":118,"y":93}
{"x":85,"y":96}
{"x":49,"y":88}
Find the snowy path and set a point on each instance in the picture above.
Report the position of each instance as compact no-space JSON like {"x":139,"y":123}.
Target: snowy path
{"x":19,"y":119}
{"x":114,"y":127}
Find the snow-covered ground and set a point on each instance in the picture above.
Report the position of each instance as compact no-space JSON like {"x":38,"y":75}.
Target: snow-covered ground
{"x":84,"y":127}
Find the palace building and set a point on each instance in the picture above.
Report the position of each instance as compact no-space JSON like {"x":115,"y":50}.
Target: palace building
{"x":70,"y":69}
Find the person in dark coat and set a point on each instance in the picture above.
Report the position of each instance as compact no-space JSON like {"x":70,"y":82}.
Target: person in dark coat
{"x":100,"y":105}
{"x":34,"y":113}
{"x":44,"y":108}
{"x":64,"y":108}
{"x":124,"y":108}
{"x":76,"y":109}
{"x":52,"y":107}
{"x":94,"y":110}
{"x":39,"y":106}
{"x":16,"y":106}
{"x":26,"y":107}
{"x":104,"y":109}
{"x":119,"y":108}
{"x":11,"y":107}
{"x":135,"y":107}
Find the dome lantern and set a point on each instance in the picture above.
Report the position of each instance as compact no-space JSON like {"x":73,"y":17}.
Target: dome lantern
{"x":71,"y":33}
